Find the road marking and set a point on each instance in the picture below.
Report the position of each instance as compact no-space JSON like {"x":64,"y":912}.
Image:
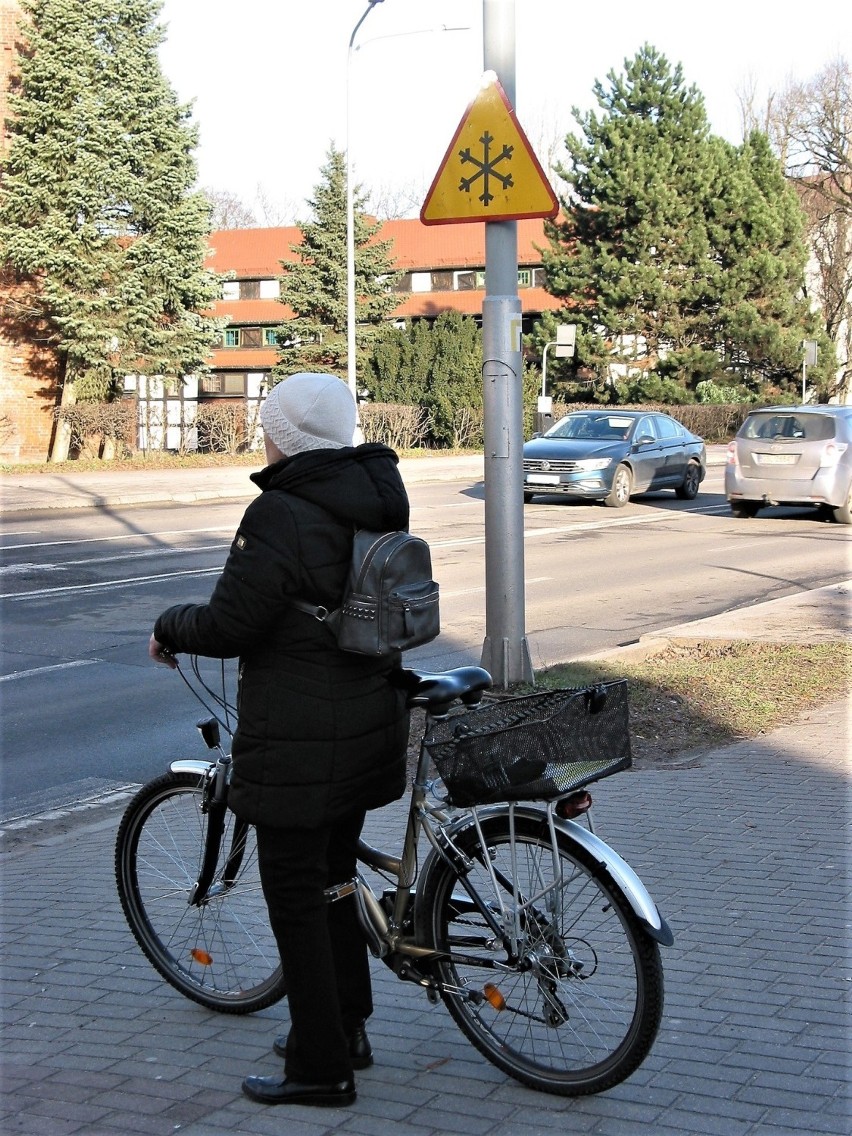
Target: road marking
{"x":70,"y":589}
{"x":11,"y":569}
{"x":461,"y":542}
{"x":124,"y":536}
{"x":471,"y":591}
{"x":52,"y":667}
{"x":145,"y":554}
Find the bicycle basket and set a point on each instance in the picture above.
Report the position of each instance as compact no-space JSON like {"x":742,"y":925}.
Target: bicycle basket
{"x":532,"y":747}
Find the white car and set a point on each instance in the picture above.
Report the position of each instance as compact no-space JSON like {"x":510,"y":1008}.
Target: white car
{"x":792,"y":455}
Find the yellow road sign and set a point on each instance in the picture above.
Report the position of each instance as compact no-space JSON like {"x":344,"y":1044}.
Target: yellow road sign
{"x":489,"y":172}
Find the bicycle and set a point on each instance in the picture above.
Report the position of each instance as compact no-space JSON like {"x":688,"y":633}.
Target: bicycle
{"x":539,"y":938}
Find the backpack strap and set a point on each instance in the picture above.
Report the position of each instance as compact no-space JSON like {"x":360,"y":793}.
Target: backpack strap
{"x":319,"y":613}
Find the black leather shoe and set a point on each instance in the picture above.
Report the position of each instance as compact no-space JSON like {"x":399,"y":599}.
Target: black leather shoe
{"x":274,"y":1090}
{"x":360,"y":1050}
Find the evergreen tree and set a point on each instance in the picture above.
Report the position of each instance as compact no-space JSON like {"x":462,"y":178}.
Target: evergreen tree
{"x":437,"y":367}
{"x":654,"y":251}
{"x":97,"y":215}
{"x":314,"y":286}
{"x":759,"y":315}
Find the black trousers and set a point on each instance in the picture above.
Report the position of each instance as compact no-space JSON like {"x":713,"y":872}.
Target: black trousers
{"x":323,"y":952}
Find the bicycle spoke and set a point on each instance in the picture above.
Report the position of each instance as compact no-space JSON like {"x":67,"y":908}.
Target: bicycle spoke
{"x":220,"y":952}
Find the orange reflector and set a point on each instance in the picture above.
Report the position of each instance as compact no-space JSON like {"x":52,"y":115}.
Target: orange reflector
{"x":573,"y":806}
{"x":494,"y":996}
{"x":201,"y":956}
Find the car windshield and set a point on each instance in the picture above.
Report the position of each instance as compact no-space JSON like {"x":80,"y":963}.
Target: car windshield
{"x":602,"y":427}
{"x":781,"y":427}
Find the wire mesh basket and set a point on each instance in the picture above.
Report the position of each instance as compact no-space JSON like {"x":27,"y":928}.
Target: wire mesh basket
{"x":534,"y":746}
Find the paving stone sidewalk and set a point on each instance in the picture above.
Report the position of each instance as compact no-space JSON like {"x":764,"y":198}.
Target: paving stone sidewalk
{"x":743,"y":849}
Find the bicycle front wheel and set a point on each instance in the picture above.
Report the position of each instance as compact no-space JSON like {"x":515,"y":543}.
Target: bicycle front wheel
{"x":576,"y":1008}
{"x":220,"y":953}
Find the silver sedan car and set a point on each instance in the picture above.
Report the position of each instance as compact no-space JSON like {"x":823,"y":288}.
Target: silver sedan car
{"x":792,"y":455}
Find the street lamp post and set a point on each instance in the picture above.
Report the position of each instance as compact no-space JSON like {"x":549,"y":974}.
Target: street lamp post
{"x":350,"y":179}
{"x":350,"y":216}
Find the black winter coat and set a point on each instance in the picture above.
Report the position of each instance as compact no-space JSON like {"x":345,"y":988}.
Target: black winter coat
{"x":321,"y":731}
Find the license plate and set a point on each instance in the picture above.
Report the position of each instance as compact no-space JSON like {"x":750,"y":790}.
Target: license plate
{"x":777,"y":459}
{"x":542,"y":479}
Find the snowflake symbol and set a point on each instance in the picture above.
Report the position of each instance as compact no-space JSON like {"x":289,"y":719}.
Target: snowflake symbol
{"x":486,"y":169}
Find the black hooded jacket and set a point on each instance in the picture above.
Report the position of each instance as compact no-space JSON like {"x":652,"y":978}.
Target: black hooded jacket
{"x":321,"y":731}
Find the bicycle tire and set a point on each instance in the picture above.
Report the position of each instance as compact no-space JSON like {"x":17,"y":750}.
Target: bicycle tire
{"x":222,"y":953}
{"x":584,"y":1000}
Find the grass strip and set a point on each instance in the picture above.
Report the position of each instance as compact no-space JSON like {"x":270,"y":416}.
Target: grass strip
{"x":709,"y":693}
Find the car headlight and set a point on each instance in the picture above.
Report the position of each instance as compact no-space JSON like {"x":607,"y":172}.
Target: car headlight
{"x":593,"y":463}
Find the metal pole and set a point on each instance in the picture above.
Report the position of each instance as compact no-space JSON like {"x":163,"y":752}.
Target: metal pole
{"x":505,"y":652}
{"x":350,"y":217}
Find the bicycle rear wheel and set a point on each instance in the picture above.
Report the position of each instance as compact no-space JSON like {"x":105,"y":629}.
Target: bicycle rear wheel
{"x":221,"y":953}
{"x":578,"y":1010}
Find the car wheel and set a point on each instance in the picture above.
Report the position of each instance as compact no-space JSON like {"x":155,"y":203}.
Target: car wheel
{"x":622,"y":484}
{"x":843,"y":513}
{"x":688,"y":491}
{"x":745,"y":508}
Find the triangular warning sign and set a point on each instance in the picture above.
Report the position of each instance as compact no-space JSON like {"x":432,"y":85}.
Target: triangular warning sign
{"x":489,"y":172}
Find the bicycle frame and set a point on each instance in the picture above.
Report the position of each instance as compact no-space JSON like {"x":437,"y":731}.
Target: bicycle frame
{"x":440,"y":825}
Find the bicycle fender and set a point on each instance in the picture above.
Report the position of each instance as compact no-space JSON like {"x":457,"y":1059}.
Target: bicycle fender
{"x":634,"y":890}
{"x":619,"y":870}
{"x":191,"y":765}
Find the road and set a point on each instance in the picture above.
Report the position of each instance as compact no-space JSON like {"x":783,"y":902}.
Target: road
{"x":85,"y":712}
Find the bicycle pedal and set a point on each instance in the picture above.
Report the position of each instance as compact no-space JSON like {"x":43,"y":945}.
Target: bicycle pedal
{"x":340,"y":891}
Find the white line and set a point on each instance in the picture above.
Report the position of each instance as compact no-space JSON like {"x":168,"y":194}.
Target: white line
{"x":72,"y":588}
{"x":44,"y":670}
{"x":142,"y":554}
{"x":472,"y":591}
{"x":124,"y":536}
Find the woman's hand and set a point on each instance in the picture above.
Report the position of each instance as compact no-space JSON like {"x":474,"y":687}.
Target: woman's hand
{"x":161,"y":654}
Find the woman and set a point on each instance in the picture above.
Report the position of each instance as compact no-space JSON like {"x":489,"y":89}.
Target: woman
{"x":322,"y":734}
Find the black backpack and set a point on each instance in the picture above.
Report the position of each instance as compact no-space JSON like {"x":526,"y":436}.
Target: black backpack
{"x":390,"y":602}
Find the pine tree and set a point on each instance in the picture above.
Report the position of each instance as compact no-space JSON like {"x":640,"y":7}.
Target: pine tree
{"x":653,"y":252}
{"x":97,"y":213}
{"x":756,"y":226}
{"x":314,"y":285}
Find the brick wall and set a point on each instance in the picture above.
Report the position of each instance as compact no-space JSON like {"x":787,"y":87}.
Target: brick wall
{"x":9,"y":14}
{"x":28,"y":378}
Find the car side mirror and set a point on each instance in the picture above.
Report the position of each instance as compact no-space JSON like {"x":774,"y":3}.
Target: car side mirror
{"x":645,"y":439}
{"x":537,"y":434}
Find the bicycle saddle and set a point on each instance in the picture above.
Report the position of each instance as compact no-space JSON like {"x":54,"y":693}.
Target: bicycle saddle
{"x":437,"y":692}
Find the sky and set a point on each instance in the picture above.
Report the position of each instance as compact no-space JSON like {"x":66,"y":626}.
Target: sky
{"x":270,"y":80}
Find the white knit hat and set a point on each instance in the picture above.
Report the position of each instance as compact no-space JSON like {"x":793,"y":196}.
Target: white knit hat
{"x":309,"y":412}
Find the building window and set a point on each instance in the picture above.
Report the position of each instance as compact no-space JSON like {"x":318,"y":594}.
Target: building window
{"x":232,"y":337}
{"x":421,"y":281}
{"x":222,"y":384}
{"x":524,"y":277}
{"x":270,"y":337}
{"x":480,"y":279}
